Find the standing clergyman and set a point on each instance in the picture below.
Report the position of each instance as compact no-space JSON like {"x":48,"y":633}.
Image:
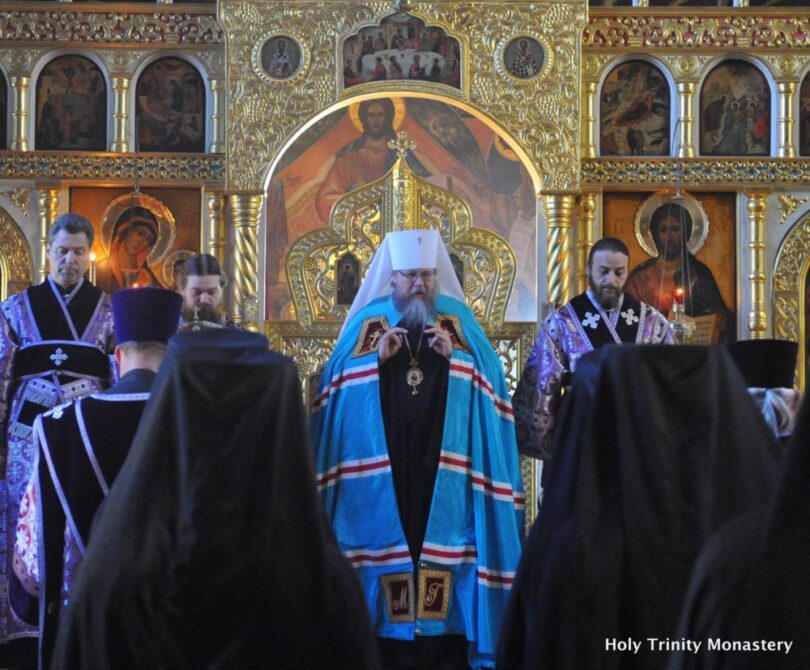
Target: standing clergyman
{"x":416,"y":460}
{"x":604,"y":314}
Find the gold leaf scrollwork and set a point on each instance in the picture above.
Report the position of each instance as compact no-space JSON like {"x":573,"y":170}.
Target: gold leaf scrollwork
{"x":783,"y":65}
{"x":689,"y":65}
{"x":622,"y":29}
{"x":593,"y":64}
{"x":168,"y":26}
{"x":19,"y":197}
{"x":787,"y":205}
{"x":15,"y":252}
{"x":541,"y":118}
{"x":790,"y":270}
{"x":752,"y":172}
{"x":51,"y":165}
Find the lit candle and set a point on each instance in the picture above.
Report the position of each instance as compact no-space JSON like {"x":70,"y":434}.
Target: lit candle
{"x":677,"y":295}
{"x":92,"y":267}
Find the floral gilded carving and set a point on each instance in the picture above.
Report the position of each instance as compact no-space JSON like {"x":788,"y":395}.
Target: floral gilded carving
{"x":787,"y":205}
{"x":47,"y":165}
{"x":790,"y":269}
{"x":19,"y":197}
{"x":122,"y":61}
{"x":148,"y":27}
{"x":20,"y":61}
{"x":753,"y":172}
{"x":593,"y":64}
{"x":729,"y":30}
{"x":14,"y":248}
{"x":782,"y":65}
{"x":687,"y":66}
{"x":542,"y":117}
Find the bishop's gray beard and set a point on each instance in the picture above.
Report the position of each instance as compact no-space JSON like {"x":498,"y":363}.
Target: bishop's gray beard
{"x":417,"y":308}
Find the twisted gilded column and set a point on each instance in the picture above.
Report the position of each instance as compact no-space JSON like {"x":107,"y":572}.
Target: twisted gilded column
{"x":757,"y":316}
{"x":120,"y":87}
{"x":559,"y":209}
{"x":19,"y":113}
{"x":217,"y":145}
{"x":243,"y":216}
{"x":686,"y":147}
{"x":588,"y":148}
{"x":216,"y":239}
{"x":587,"y":217}
{"x":48,"y":211}
{"x":787,"y":94}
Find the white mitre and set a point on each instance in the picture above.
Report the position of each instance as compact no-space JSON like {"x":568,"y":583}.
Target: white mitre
{"x":406,"y":250}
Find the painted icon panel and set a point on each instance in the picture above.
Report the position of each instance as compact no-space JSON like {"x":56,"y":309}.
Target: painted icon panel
{"x":735,"y":111}
{"x":170,"y":108}
{"x":349,"y":148}
{"x":71,"y":106}
{"x":635,"y":111}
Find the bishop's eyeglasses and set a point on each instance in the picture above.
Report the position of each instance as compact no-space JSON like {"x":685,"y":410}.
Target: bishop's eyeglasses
{"x":424,"y":275}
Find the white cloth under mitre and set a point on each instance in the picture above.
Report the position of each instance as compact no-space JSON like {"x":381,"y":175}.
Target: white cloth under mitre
{"x":406,"y":250}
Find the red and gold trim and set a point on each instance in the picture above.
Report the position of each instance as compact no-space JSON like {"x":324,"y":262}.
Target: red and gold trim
{"x":371,"y":331}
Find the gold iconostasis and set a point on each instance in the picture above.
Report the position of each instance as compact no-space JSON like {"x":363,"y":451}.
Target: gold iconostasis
{"x":238,"y":128}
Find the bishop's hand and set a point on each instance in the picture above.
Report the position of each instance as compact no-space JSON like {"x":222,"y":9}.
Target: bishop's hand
{"x":390,"y":343}
{"x":439,"y":340}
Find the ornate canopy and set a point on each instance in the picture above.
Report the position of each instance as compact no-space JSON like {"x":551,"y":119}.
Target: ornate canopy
{"x":400,"y":200}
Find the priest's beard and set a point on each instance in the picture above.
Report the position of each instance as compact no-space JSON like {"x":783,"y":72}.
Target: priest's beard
{"x":608,"y":296}
{"x":417,"y":306}
{"x":204,"y":313}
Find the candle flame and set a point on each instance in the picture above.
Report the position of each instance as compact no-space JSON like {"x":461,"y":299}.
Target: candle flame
{"x":92,"y":256}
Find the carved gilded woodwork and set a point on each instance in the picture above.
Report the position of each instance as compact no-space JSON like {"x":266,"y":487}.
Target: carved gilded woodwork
{"x":217,"y":88}
{"x":216,"y":236}
{"x":787,"y":205}
{"x":559,"y":222}
{"x":587,"y":219}
{"x":19,"y":113}
{"x":783,"y":65}
{"x":48,"y":211}
{"x":757,"y":212}
{"x":16,"y":266}
{"x":788,"y":299}
{"x":589,"y":97}
{"x":686,"y":65}
{"x":243,"y":216}
{"x":19,"y":197}
{"x":541,"y":114}
{"x":594,"y":64}
{"x":787,"y":93}
{"x":696,"y":29}
{"x":168,"y":26}
{"x":633,"y":173}
{"x":122,"y":61}
{"x":179,"y":169}
{"x":120,"y":87}
{"x":398,"y":201}
{"x":684,"y":142}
